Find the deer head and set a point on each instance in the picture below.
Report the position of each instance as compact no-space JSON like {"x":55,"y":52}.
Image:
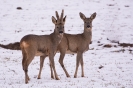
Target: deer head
{"x":87,"y":21}
{"x":59,"y":23}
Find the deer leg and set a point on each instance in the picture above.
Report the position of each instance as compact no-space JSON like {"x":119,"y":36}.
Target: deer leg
{"x":79,"y":56}
{"x":41,"y":65}
{"x":24,"y":65}
{"x":27,"y":58}
{"x":25,"y":70}
{"x":52,"y":76}
{"x":23,"y":62}
{"x":24,"y":58}
{"x":62,"y":64}
{"x":51,"y":58}
{"x":27,"y":62}
{"x":82,"y":67}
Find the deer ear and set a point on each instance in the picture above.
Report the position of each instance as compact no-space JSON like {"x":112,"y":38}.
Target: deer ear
{"x":82,"y":16}
{"x":54,"y":20}
{"x":64,"y":19}
{"x":93,"y":16}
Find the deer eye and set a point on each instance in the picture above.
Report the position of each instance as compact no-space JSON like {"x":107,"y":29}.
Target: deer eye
{"x":85,"y":22}
{"x":56,"y":27}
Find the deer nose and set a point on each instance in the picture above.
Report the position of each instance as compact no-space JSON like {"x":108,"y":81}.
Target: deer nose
{"x":60,"y":31}
{"x":88,"y":26}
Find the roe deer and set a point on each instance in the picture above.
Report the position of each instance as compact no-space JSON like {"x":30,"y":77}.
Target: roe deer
{"x":78,"y":43}
{"x":40,"y":45}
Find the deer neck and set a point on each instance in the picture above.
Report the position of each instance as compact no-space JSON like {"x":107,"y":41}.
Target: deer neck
{"x":87,"y":34}
{"x":56,"y":37}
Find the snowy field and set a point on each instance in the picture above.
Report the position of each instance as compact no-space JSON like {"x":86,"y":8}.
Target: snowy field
{"x":105,"y":67}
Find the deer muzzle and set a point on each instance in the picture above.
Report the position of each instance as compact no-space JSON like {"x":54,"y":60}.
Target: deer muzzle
{"x":60,"y":32}
{"x":88,"y":26}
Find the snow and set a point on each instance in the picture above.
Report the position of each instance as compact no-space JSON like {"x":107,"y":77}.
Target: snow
{"x":113,"y":22}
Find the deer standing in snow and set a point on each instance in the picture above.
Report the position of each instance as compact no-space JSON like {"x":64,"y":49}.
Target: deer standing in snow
{"x":78,"y":43}
{"x":40,"y":45}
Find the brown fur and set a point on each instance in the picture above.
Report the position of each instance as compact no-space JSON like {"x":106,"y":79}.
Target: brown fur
{"x":12,"y":46}
{"x":40,"y":45}
{"x":78,"y":43}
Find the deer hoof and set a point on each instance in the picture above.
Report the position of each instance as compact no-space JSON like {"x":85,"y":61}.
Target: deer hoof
{"x":82,"y":76}
{"x":26,"y":82}
{"x":68,"y":76}
{"x":75,"y":76}
{"x":57,"y":79}
{"x":38,"y":78}
{"x":52,"y":77}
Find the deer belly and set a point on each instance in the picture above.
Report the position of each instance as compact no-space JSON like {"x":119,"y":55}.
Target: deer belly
{"x":69,"y":52}
{"x":38,"y":53}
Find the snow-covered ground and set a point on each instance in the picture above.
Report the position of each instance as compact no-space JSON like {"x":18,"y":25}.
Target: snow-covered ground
{"x":112,"y":23}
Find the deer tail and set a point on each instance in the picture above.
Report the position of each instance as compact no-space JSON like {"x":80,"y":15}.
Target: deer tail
{"x":12,"y":46}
